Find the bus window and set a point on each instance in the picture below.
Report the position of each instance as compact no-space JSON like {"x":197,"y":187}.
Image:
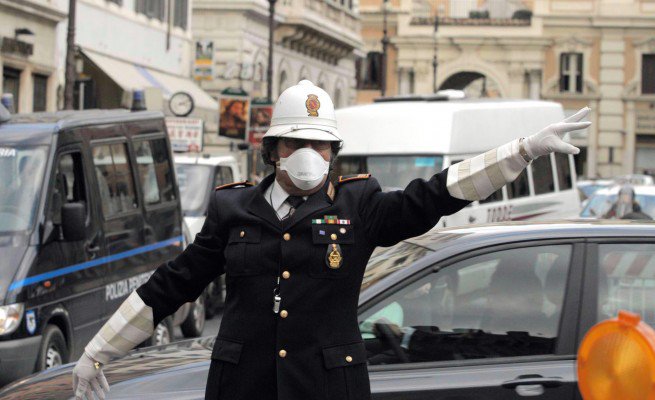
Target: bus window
{"x":495,"y":196}
{"x":563,"y":171}
{"x":348,"y":165}
{"x":520,"y":187}
{"x":542,"y":175}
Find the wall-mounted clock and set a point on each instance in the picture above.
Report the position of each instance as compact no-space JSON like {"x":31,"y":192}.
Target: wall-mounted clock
{"x":181,"y":104}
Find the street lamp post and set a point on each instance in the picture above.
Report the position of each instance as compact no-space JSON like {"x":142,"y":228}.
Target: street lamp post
{"x":385,"y":43}
{"x":269,"y":69}
{"x":434,"y":57}
{"x":70,"y":73}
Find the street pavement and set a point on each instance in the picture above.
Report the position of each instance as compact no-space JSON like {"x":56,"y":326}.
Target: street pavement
{"x":211,"y":328}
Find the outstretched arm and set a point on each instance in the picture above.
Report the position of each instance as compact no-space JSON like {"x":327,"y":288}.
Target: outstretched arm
{"x":394,"y":216}
{"x":478,"y":177}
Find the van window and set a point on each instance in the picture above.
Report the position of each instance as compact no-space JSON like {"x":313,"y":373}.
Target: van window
{"x":520,"y":186}
{"x":563,"y":171}
{"x":391,"y":171}
{"x":222,"y":176}
{"x":115,"y":181}
{"x":154,"y":170}
{"x":163,"y":169}
{"x":147,"y":174}
{"x":542,"y":175}
{"x":69,"y":184}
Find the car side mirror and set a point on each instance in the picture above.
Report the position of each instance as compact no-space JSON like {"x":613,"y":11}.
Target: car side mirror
{"x":73,"y":216}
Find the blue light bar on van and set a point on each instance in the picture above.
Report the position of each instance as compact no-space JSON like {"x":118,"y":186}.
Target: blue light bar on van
{"x":175,"y":241}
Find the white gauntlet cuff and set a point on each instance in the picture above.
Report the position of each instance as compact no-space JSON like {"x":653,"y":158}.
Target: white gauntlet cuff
{"x":130,"y":325}
{"x":478,"y":177}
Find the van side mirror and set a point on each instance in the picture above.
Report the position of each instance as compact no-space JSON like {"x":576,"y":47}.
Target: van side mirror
{"x":73,"y":216}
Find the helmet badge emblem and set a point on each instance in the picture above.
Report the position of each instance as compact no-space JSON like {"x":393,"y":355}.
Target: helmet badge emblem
{"x":312,"y":105}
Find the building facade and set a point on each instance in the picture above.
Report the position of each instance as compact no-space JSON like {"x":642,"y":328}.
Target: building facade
{"x":599,"y":53}
{"x":29,"y":53}
{"x":314,"y":39}
{"x":125,"y":46}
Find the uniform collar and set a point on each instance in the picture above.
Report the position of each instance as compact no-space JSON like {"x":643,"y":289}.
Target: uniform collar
{"x":259,"y":206}
{"x":277,"y":195}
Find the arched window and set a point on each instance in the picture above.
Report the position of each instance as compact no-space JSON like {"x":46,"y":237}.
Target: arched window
{"x":337,"y":98}
{"x":283,"y":82}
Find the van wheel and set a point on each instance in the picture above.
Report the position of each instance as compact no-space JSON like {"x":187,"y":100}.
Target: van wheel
{"x":194,"y":323}
{"x":54,"y":351}
{"x":163,"y":334}
{"x":214,"y":301}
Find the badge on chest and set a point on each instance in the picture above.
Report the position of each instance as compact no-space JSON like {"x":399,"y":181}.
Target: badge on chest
{"x":332,"y":232}
{"x":333,"y":256}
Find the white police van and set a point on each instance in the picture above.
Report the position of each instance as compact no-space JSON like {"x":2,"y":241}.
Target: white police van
{"x":197,"y":176}
{"x":403,"y":138}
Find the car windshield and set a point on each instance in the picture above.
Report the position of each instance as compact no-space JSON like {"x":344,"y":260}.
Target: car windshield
{"x":21,"y":173}
{"x":600,"y":205}
{"x":386,"y":260}
{"x":195,"y":182}
{"x":394,"y":171}
{"x":589,"y":190}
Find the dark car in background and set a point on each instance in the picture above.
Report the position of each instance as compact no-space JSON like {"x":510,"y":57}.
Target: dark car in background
{"x":485,"y":312}
{"x":89,"y":207}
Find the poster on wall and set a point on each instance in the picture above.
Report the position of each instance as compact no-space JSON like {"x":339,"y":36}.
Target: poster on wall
{"x":260,"y":121}
{"x":233,"y":117}
{"x":204,"y":63}
{"x":185,"y":134}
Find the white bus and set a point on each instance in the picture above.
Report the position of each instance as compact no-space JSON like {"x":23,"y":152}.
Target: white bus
{"x":397,"y":140}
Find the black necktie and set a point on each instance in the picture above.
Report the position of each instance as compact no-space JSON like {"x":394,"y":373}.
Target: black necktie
{"x":294,"y":202}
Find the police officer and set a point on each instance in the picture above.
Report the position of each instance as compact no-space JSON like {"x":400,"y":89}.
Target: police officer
{"x":294,"y":249}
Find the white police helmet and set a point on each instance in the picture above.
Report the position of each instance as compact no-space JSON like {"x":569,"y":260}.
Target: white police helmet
{"x":304,"y":111}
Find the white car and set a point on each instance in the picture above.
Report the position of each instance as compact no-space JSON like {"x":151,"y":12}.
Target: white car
{"x":603,"y":203}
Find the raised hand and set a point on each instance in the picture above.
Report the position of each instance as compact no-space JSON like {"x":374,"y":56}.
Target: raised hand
{"x":549,"y":139}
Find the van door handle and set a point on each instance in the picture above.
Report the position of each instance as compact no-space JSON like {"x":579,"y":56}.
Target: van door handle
{"x":549,"y":382}
{"x":471,"y":219}
{"x":92,"y":245}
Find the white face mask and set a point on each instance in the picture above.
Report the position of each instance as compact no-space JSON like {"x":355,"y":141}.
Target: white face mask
{"x":306,"y":168}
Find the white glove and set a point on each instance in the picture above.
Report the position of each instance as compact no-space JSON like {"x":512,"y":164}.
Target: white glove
{"x":549,"y":139}
{"x":87,"y":379}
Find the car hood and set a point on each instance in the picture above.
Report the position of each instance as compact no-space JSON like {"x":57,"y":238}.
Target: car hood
{"x":173,"y":371}
{"x":12,"y":248}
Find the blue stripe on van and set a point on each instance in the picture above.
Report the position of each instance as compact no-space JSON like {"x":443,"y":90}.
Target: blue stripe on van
{"x":94,"y":263}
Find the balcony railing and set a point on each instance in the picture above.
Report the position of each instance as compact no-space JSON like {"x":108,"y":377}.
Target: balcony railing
{"x":473,"y":12}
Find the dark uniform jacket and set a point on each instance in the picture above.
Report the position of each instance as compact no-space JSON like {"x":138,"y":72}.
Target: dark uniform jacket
{"x":312,"y":349}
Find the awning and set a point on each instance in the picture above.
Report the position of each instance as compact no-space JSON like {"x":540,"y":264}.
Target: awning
{"x":132,"y":77}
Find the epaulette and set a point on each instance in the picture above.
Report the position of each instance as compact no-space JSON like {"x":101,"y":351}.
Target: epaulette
{"x":354,"y":177}
{"x":234,"y":184}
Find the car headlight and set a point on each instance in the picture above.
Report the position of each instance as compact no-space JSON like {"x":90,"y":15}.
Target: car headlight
{"x":10,"y":317}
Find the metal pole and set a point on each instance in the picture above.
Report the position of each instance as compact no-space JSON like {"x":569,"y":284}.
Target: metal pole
{"x":70,"y":74}
{"x":269,"y":69}
{"x":385,"y":43}
{"x":434,"y":57}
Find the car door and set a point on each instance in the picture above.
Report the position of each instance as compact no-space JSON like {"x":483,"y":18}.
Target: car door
{"x":620,"y":275}
{"x":495,"y":324}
